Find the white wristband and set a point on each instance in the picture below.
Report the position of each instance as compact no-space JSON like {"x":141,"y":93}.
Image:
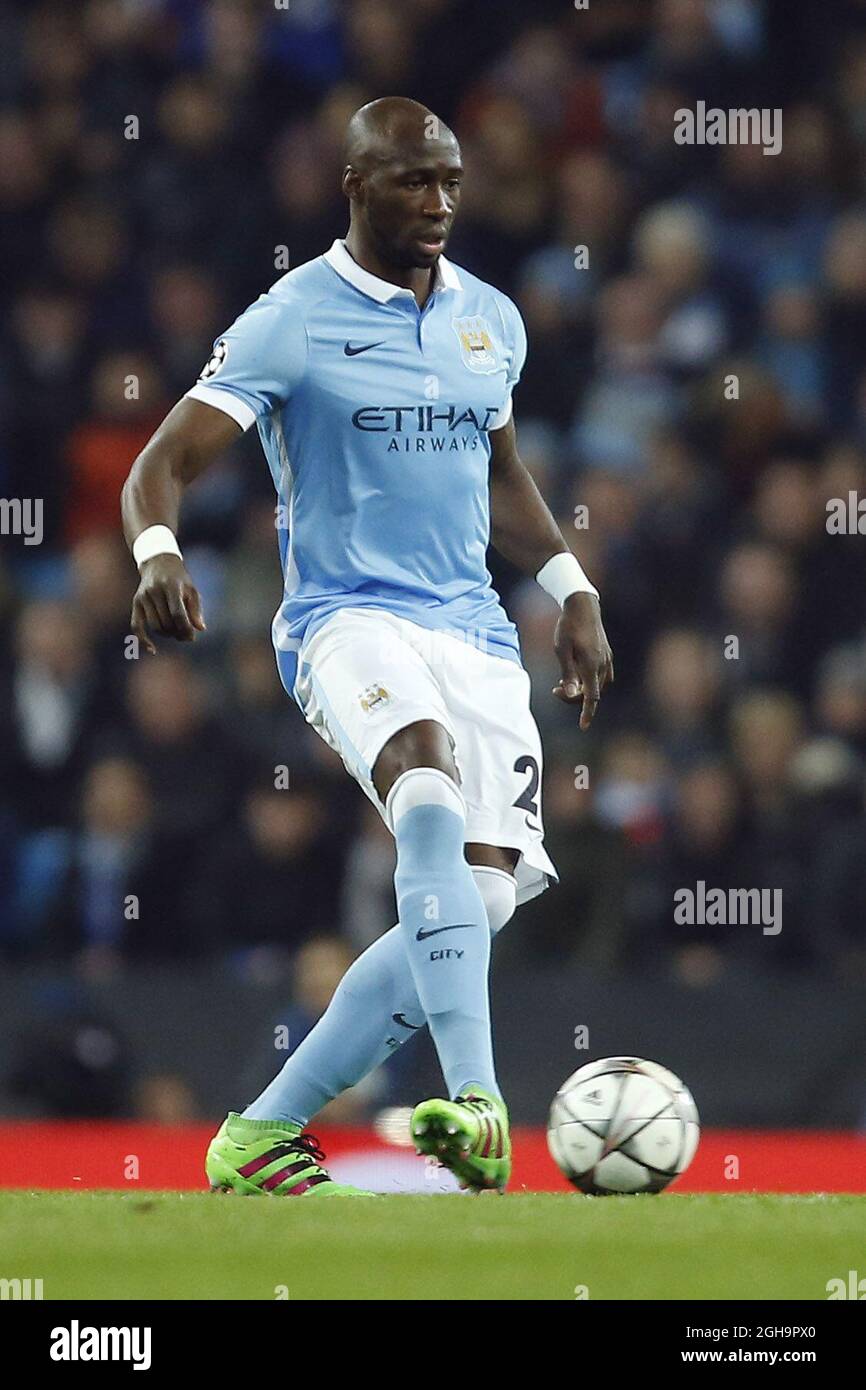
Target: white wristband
{"x":154,"y":540}
{"x":562,"y":576}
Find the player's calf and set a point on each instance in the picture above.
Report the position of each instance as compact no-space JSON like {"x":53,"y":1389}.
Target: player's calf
{"x":444,"y":922}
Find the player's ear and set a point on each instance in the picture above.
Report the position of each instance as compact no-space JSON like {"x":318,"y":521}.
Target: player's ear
{"x":352,"y":183}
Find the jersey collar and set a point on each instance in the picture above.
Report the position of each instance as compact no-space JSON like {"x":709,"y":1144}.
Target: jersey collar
{"x":445,"y":278}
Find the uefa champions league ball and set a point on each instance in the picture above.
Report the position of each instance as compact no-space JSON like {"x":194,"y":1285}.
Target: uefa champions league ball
{"x":622,"y":1125}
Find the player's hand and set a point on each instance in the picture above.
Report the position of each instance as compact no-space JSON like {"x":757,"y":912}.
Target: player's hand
{"x":585,"y":657}
{"x":166,"y":601}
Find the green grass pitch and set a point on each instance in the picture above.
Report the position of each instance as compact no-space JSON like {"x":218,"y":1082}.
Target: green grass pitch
{"x":88,"y":1245}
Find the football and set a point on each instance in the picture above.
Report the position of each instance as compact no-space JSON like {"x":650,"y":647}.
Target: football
{"x":622,"y":1125}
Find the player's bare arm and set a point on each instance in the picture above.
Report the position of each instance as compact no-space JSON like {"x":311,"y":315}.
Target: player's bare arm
{"x":189,"y":439}
{"x":523,"y":530}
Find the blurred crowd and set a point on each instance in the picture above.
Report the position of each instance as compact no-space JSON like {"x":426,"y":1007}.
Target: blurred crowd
{"x":694,"y":395}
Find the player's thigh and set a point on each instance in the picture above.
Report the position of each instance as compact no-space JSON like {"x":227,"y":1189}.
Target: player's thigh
{"x":492,"y":856}
{"x":498,"y":749}
{"x":363,"y":687}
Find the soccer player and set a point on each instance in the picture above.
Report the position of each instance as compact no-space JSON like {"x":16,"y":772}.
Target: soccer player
{"x":379,"y":376}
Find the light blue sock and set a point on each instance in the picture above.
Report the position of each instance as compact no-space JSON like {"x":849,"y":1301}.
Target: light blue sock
{"x":374,"y":1010}
{"x":444,"y":924}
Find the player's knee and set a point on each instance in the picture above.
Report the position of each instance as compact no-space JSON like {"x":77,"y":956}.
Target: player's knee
{"x":424,"y":744}
{"x":498,"y":891}
{"x":423,"y":787}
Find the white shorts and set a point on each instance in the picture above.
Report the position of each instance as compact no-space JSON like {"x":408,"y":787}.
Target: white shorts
{"x":366,"y":674}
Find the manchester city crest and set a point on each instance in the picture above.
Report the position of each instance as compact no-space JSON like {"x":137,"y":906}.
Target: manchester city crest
{"x":374,"y":697}
{"x":476,"y":344}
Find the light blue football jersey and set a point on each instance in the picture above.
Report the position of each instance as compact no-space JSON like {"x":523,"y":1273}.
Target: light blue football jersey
{"x":374,"y":416}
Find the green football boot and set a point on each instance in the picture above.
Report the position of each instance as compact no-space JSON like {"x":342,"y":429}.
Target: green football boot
{"x":270,"y":1156}
{"x":469,"y":1135}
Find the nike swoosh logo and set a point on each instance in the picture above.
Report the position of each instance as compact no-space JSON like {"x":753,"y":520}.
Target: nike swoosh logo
{"x":353,"y":351}
{"x":422,"y":935}
{"x":401,"y":1019}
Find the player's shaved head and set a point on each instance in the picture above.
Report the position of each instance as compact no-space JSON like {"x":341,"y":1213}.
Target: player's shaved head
{"x":390,"y":129}
{"x":402,"y":178}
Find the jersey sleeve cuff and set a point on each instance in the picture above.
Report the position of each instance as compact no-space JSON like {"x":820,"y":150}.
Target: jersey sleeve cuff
{"x":503,"y":417}
{"x":226,"y":401}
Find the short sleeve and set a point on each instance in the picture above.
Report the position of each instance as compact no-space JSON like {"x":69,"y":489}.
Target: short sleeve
{"x":516,"y":338}
{"x":256,"y":364}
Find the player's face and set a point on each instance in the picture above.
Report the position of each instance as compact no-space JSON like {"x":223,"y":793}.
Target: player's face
{"x":411,"y":204}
